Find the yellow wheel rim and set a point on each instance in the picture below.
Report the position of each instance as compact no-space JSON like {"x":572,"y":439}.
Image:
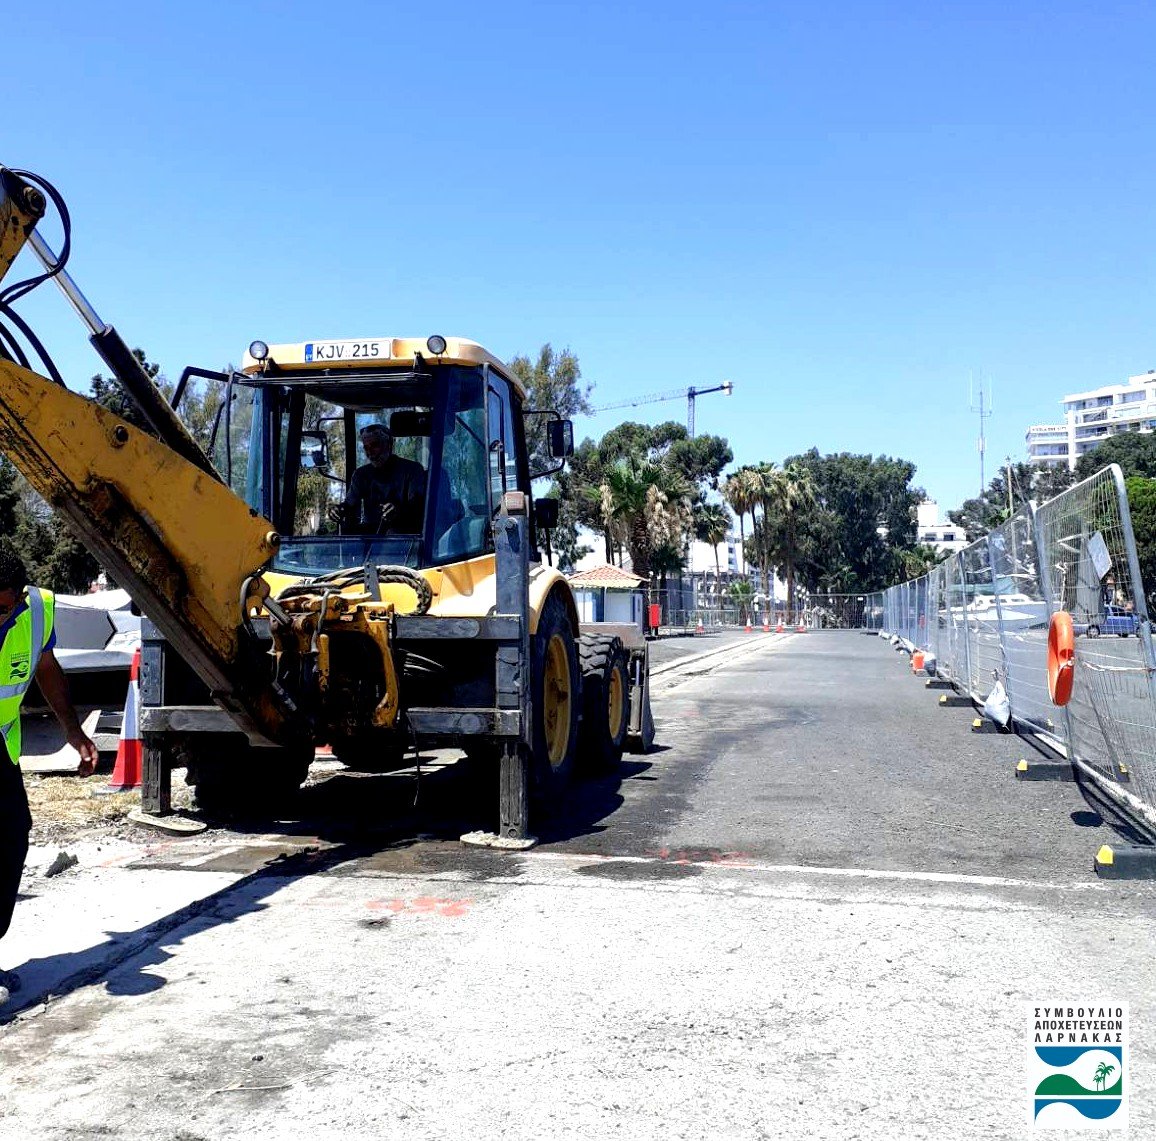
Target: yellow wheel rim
{"x":616,"y":702}
{"x":556,"y":698}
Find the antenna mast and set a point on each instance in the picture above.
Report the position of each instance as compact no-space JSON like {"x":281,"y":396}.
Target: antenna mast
{"x":984,"y":414}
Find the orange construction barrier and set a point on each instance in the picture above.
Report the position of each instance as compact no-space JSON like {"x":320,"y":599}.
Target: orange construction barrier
{"x":1061,"y":658}
{"x":126,"y":773}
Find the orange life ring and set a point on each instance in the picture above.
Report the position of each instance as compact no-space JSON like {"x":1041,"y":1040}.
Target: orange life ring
{"x":1061,"y":658}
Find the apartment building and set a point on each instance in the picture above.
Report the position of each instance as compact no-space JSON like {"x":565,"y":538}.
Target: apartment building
{"x":1091,"y":417}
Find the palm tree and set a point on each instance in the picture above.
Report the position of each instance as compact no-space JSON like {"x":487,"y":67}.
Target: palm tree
{"x":1103,"y":1072}
{"x":792,"y":495}
{"x":648,"y":505}
{"x":740,"y":491}
{"x":712,"y":524}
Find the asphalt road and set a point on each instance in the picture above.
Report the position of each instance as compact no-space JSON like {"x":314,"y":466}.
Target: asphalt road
{"x":822,"y":909}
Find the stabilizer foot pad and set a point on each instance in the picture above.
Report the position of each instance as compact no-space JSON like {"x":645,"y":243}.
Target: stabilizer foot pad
{"x":177,"y":825}
{"x":493,"y":840}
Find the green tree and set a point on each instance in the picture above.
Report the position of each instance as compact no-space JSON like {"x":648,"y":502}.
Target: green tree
{"x":1142,"y":508}
{"x":553,"y":382}
{"x":1135,"y":452}
{"x":864,"y":510}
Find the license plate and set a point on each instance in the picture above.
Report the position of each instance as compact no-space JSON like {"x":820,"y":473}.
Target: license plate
{"x":316,"y":351}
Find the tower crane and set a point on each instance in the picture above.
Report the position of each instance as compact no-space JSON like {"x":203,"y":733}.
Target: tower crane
{"x":726,"y":388}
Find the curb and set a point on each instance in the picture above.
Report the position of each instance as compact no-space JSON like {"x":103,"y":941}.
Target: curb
{"x":734,"y":647}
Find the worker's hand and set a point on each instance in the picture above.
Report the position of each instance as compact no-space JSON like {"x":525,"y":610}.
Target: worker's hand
{"x":82,"y":743}
{"x":336,"y":514}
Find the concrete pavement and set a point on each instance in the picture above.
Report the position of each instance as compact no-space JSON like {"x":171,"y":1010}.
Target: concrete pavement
{"x":780,"y":925}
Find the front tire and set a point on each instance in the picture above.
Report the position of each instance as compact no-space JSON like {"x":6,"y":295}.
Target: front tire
{"x":555,"y":693}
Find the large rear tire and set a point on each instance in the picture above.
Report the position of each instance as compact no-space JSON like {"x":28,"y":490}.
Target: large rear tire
{"x":555,"y":699}
{"x":605,"y":702}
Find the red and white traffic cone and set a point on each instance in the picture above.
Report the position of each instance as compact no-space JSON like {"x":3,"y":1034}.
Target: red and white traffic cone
{"x":126,"y":773}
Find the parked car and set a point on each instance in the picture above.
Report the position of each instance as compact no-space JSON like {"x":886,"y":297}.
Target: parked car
{"x":1114,"y":620}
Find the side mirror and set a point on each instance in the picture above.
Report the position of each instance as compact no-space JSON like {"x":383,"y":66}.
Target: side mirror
{"x":560,"y":434}
{"x":546,"y":513}
{"x":314,"y":450}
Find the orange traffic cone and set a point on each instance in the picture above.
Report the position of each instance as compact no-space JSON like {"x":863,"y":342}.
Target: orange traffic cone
{"x":800,"y":629}
{"x":126,"y":772}
{"x":779,"y":628}
{"x":750,"y":628}
{"x":699,"y":627}
{"x":917,"y":661}
{"x":766,"y":624}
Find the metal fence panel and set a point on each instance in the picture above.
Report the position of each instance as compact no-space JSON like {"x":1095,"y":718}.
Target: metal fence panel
{"x":1023,"y":621}
{"x":1089,"y":557}
{"x":981,"y":620}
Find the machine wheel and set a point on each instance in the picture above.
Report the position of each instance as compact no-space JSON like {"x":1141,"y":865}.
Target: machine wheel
{"x":1093,"y":631}
{"x":555,"y":694}
{"x":230,"y":778}
{"x":605,"y":702}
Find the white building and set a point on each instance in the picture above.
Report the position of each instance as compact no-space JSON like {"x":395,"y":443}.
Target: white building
{"x":941,"y":536}
{"x":1091,"y":417}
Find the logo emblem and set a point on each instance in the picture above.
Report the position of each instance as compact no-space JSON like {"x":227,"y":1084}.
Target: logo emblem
{"x":1076,"y":1067}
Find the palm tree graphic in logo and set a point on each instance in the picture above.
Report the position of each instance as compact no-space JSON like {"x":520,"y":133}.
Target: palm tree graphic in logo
{"x":1103,"y":1072}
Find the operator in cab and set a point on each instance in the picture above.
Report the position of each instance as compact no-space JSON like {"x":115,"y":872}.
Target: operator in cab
{"x":387,"y":494}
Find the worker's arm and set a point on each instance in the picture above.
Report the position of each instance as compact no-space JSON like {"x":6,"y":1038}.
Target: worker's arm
{"x":53,"y":684}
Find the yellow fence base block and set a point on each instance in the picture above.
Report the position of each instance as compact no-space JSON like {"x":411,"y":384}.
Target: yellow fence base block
{"x":1126,"y":862}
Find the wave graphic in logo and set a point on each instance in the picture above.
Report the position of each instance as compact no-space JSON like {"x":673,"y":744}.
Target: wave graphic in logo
{"x":1086,"y":1083}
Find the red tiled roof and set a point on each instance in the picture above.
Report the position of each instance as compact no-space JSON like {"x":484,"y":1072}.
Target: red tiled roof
{"x":606,"y":576}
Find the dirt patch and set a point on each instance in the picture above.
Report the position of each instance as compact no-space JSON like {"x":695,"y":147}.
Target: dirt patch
{"x":66,"y":808}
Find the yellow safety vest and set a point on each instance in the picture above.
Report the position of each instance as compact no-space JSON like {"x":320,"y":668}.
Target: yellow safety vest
{"x":19,"y":657}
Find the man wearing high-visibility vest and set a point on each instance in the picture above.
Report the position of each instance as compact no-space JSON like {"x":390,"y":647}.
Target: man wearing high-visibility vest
{"x":26,"y":642}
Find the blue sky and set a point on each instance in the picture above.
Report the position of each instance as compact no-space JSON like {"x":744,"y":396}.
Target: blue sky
{"x":846,"y":209}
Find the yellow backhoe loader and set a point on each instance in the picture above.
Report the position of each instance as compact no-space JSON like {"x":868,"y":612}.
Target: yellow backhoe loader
{"x":285,"y":610}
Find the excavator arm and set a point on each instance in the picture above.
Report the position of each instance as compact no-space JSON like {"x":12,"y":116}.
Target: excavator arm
{"x":174,"y":536}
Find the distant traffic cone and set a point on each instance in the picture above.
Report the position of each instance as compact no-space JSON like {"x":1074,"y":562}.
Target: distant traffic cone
{"x":779,"y":628}
{"x":126,"y":772}
{"x":800,"y":629}
{"x":750,"y":628}
{"x":699,"y":627}
{"x":766,"y":623}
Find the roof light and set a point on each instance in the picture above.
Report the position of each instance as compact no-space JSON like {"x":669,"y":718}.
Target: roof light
{"x":436,"y":345}
{"x":259,"y":351}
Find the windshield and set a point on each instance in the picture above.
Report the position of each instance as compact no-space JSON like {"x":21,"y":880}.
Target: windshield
{"x":390,"y":469}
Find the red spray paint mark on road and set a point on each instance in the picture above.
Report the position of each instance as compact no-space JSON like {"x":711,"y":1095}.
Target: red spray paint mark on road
{"x":700,"y":856}
{"x":423,"y":905}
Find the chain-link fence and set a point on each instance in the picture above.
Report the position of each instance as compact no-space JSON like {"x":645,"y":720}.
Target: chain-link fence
{"x":984,"y":615}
